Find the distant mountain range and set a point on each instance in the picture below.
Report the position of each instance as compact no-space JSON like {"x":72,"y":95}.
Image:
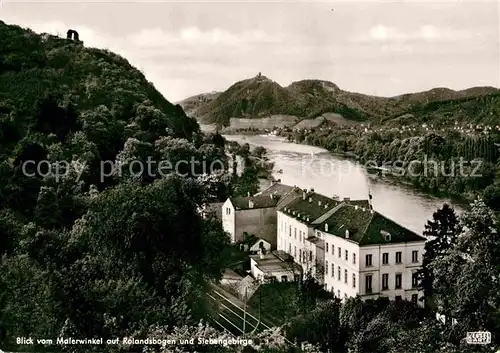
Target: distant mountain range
{"x":260,"y":97}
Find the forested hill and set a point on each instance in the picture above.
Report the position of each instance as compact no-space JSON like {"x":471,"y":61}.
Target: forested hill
{"x":87,"y":251}
{"x":32,"y":66}
{"x":260,"y":97}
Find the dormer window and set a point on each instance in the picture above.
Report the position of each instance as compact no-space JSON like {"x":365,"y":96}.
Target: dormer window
{"x":326,"y":227}
{"x":386,"y":235}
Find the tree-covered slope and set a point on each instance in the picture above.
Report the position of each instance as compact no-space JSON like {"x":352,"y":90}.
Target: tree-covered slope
{"x":33,"y":66}
{"x":90,"y":251}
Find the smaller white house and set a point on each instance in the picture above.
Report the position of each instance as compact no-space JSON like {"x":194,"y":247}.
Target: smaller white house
{"x":276,"y":266}
{"x":260,"y":244}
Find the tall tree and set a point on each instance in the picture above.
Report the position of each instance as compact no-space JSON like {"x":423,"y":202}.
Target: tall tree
{"x":441,"y":233}
{"x":477,"y":296}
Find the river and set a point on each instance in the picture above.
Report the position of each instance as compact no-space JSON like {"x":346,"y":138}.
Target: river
{"x":331,"y":175}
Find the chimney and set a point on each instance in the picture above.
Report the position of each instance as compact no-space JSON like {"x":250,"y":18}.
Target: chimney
{"x":319,"y":202}
{"x":347,"y":199}
{"x":326,"y":227}
{"x":310,"y":199}
{"x":250,"y":204}
{"x":304,"y":194}
{"x":347,"y":233}
{"x":312,"y":189}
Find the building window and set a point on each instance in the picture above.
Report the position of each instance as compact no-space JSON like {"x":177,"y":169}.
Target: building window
{"x":385,"y":258}
{"x":326,"y":267}
{"x":353,"y":280}
{"x":368,"y":260}
{"x":347,"y":255}
{"x":338,"y":273}
{"x":296,"y":278}
{"x":327,"y":248}
{"x":295,"y":233}
{"x":398,"y":281}
{"x":290,"y":248}
{"x":228,"y":211}
{"x":414,"y":256}
{"x":368,"y":284}
{"x":284,"y":279}
{"x":398,"y":298}
{"x":300,"y":255}
{"x":340,"y":252}
{"x":354,"y":259}
{"x":333,"y":250}
{"x":385,"y":281}
{"x":289,"y":231}
{"x":398,"y":257}
{"x":295,"y":251}
{"x":310,"y":255}
{"x":414,"y":298}
{"x":345,"y":276}
{"x":333,"y":270}
{"x":338,"y":293}
{"x":414,"y":280}
{"x":300,"y":236}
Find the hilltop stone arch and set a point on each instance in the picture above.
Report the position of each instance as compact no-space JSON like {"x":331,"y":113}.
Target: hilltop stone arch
{"x":72,"y":34}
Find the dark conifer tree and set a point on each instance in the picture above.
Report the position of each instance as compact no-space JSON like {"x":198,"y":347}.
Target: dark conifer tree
{"x":441,"y":232}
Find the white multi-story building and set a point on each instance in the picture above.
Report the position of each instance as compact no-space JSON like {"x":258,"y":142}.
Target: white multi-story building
{"x":354,"y":249}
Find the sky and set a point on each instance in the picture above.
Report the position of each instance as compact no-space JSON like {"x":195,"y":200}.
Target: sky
{"x":382,"y":48}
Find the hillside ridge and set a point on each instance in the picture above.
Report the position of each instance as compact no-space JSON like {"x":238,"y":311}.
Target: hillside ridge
{"x":261,"y":97}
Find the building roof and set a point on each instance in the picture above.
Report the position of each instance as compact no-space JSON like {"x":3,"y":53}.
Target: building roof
{"x":309,"y":209}
{"x":276,"y":189}
{"x":231,"y":275}
{"x":360,"y":203}
{"x":271,"y":263}
{"x":270,"y":197}
{"x":261,"y":201}
{"x":366,"y":227}
{"x":258,"y":241}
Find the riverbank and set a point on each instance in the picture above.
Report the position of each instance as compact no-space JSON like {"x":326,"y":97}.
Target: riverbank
{"x":336,"y":175}
{"x":456,"y":166}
